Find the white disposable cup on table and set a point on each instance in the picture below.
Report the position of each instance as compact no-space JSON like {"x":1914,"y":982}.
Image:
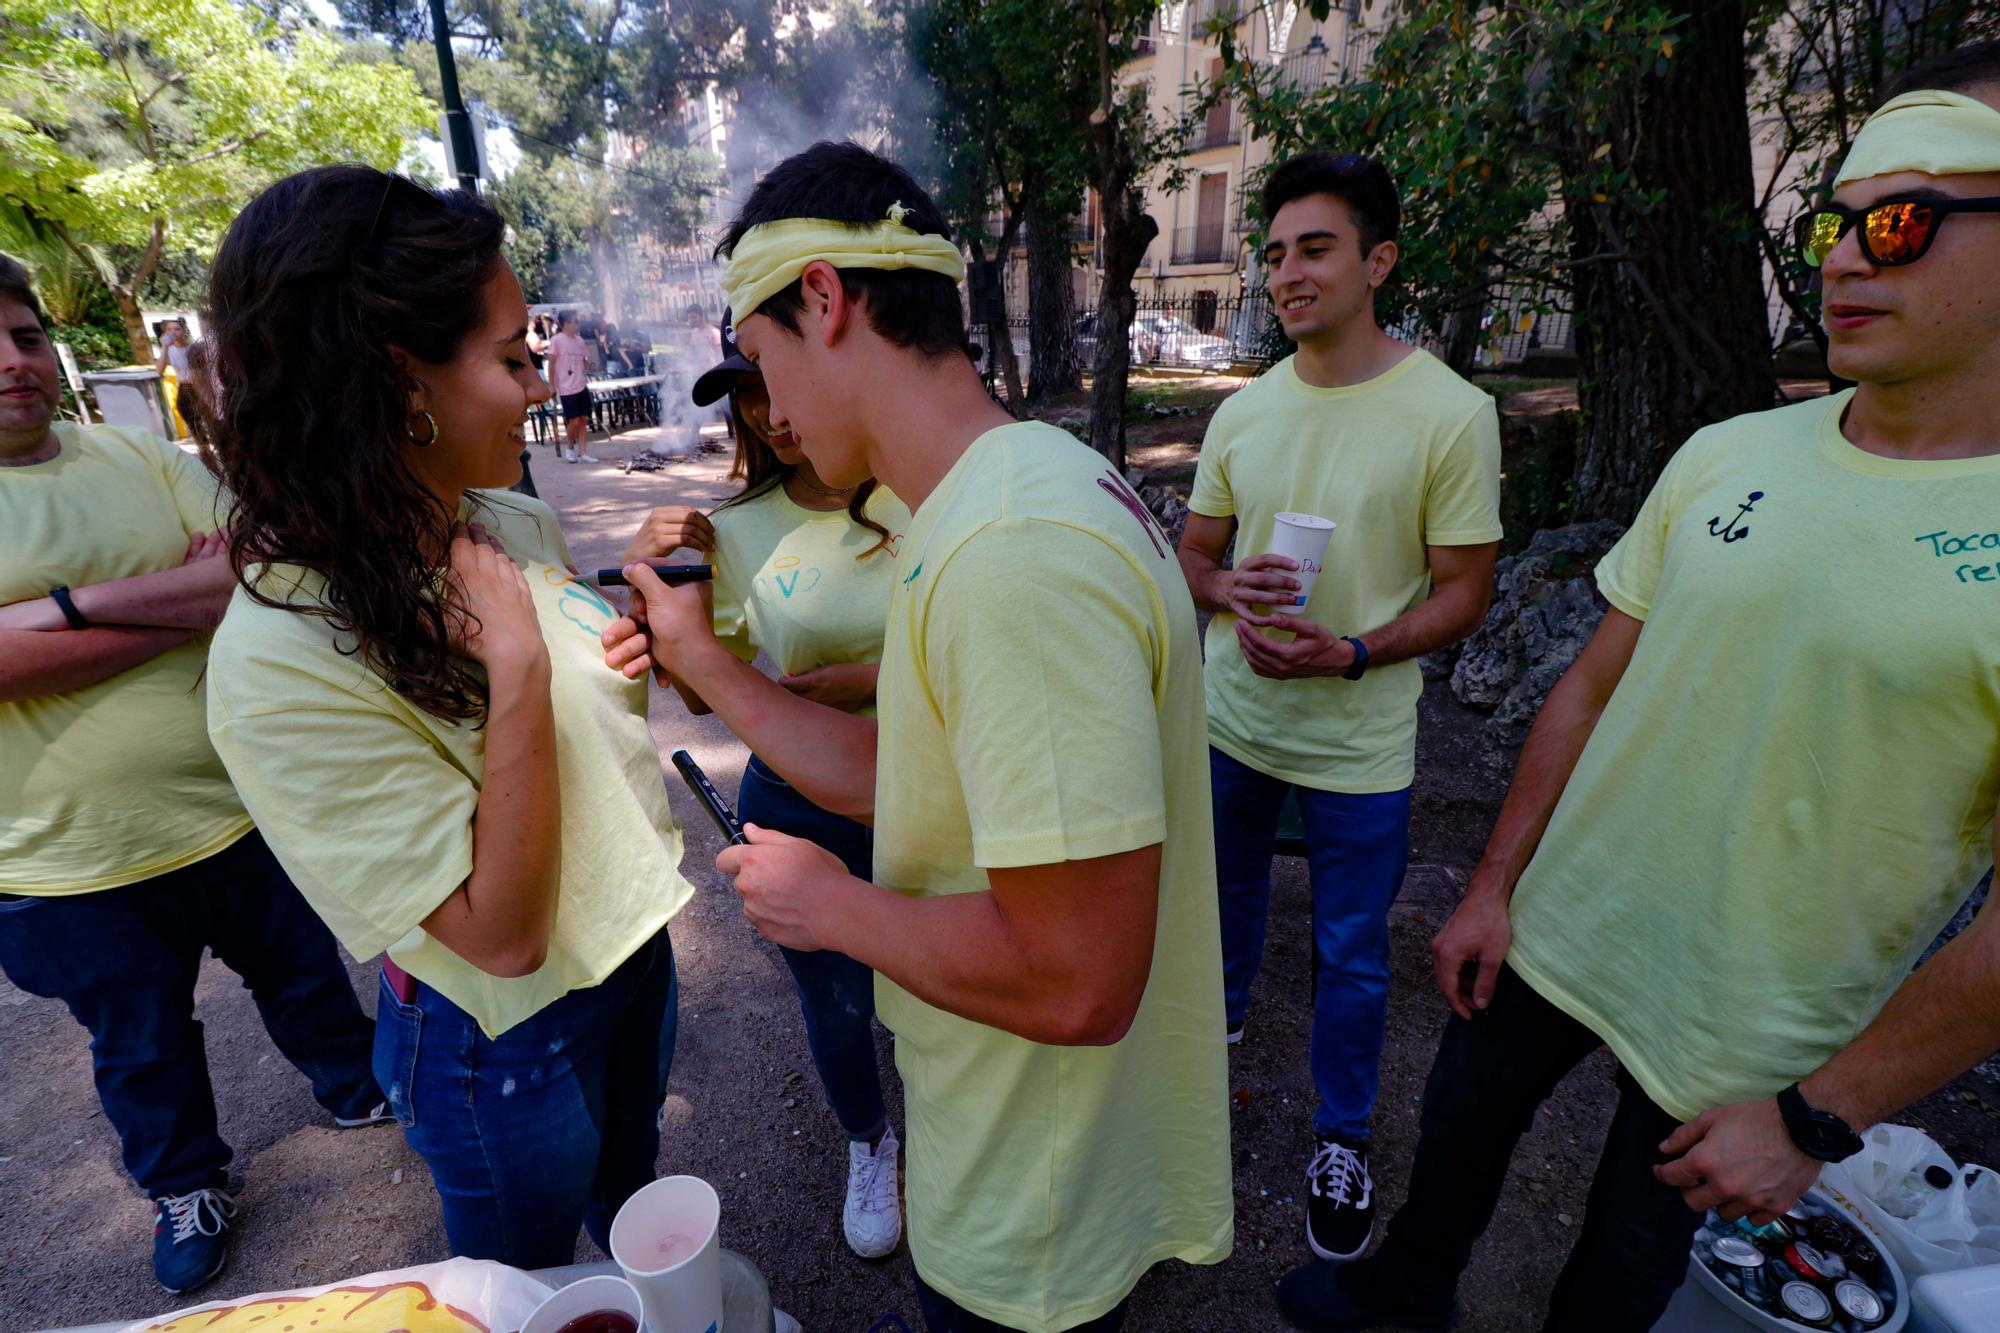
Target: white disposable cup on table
{"x":602,"y":1294}
{"x":1302,"y":537}
{"x":666,"y":1239}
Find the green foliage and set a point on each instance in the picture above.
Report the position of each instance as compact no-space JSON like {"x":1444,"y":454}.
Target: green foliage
{"x":141,"y":111}
{"x":138,"y":127}
{"x":1815,"y":74}
{"x":1476,"y":106}
{"x":66,"y":282}
{"x":1538,"y":477}
{"x":1015,"y":82}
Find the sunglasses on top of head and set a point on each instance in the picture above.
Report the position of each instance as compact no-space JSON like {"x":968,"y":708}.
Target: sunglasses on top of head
{"x":1892,"y":231}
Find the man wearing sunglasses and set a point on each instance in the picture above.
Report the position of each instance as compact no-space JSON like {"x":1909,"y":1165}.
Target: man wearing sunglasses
{"x":1764,"y":787}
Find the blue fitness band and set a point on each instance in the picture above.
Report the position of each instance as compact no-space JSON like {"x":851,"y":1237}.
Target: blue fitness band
{"x":1360,"y":659}
{"x":60,"y":594}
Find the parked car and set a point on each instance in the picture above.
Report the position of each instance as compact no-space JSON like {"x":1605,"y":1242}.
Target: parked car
{"x":1174,"y":341}
{"x":1086,"y":342}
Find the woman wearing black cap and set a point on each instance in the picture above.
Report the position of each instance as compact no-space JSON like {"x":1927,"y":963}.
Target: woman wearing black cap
{"x":803,"y":572}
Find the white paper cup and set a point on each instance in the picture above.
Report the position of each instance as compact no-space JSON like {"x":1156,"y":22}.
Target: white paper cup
{"x":1302,"y":537}
{"x":588,"y":1296}
{"x":665,"y":1238}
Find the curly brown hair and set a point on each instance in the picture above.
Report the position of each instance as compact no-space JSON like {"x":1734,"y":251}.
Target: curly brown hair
{"x":319,"y":279}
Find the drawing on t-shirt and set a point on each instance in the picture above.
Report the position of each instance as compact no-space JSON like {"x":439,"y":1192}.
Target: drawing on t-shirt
{"x":1729,"y":532}
{"x":578,"y":600}
{"x":1115,"y":487}
{"x":791,"y":578}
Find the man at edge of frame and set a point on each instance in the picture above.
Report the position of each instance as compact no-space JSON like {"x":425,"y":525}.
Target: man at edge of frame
{"x":1761,"y":791}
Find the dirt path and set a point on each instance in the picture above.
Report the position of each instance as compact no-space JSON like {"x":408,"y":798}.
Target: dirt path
{"x":745,"y":1112}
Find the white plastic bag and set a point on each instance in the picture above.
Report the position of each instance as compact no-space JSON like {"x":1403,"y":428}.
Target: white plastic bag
{"x":457,"y":1296}
{"x":1958,"y":1227}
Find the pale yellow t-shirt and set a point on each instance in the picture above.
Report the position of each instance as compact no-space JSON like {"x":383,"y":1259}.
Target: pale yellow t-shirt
{"x":368,"y":800}
{"x":115,"y":782}
{"x":809,"y":588}
{"x":1404,"y":461}
{"x":1041,"y":702}
{"x":1792,"y":787}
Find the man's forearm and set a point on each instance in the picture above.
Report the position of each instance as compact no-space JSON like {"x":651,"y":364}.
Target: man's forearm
{"x":190,"y":596}
{"x":1443,"y":618}
{"x":1560,"y":732}
{"x":825,"y":753}
{"x":1941,"y":1021}
{"x":34,"y":663}
{"x":954,"y":952}
{"x":1199,"y":568}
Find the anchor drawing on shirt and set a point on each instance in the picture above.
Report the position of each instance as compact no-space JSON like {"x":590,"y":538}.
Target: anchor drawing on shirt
{"x":1729,"y":532}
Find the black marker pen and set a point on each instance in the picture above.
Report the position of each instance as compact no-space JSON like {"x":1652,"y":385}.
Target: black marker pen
{"x":669,"y":574}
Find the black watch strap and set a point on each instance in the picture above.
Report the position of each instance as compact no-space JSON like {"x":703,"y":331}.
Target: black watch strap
{"x":1819,"y":1134}
{"x":1360,"y":658}
{"x":60,"y":595}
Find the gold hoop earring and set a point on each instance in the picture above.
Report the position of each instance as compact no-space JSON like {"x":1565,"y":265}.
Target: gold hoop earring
{"x":429,"y":439}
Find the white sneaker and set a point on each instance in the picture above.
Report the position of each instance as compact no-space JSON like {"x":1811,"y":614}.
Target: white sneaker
{"x":582,"y":458}
{"x":873,"y":1218}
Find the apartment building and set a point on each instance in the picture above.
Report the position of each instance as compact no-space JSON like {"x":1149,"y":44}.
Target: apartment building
{"x":1202,"y":250}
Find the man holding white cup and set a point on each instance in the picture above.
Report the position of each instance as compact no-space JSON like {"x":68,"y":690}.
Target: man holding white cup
{"x":1372,"y":459}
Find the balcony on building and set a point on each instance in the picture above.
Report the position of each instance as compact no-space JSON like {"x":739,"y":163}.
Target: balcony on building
{"x":1204,"y":244}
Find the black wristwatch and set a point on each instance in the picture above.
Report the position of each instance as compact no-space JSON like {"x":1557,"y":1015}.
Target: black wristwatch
{"x":1360,"y":658}
{"x":60,"y":595}
{"x":1820,"y":1134}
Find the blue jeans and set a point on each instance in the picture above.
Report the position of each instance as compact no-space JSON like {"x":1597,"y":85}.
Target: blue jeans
{"x":125,"y":961}
{"x":1490,"y":1075}
{"x":551,"y":1125}
{"x":836,"y":994}
{"x":1357,"y":848}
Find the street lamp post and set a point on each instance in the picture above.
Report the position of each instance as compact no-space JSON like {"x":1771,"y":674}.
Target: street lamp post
{"x":458,"y":121}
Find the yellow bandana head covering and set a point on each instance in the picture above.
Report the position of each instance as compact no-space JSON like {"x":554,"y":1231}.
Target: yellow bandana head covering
{"x":771,"y":255}
{"x":1935,"y":132}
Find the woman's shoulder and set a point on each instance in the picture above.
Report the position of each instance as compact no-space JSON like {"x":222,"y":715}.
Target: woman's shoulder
{"x":525,"y":525}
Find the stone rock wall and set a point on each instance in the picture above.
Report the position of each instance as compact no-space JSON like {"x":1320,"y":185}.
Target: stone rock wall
{"x":1545,"y":608}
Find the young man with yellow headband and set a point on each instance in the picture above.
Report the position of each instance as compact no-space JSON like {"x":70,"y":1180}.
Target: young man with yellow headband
{"x":1763,"y":788}
{"x":1042,"y":920}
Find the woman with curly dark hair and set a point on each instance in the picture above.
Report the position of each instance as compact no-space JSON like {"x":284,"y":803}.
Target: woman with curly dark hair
{"x":409,"y":692}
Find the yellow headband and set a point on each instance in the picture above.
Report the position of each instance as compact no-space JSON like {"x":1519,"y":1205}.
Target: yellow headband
{"x":1937,"y":133}
{"x":771,"y":256}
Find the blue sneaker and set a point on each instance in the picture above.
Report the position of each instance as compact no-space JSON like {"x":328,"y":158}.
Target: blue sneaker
{"x":190,"y":1238}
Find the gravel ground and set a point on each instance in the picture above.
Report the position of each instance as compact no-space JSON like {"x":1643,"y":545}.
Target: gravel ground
{"x":744,"y":1110}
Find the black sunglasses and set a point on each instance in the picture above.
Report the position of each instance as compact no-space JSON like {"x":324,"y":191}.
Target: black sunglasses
{"x":1893,"y":231}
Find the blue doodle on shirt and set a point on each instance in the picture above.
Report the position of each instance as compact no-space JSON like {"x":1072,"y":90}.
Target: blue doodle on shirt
{"x":1945,"y":544}
{"x":579,"y":600}
{"x":797,"y":583}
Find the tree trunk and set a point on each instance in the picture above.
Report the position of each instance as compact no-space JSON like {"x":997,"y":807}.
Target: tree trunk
{"x":1052,"y":364}
{"x":1671,"y":328}
{"x":135,"y":325}
{"x":1463,"y":331}
{"x":604,"y":259}
{"x":999,"y":337}
{"x":1127,"y":231}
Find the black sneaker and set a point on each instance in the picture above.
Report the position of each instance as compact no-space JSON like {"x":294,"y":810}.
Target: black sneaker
{"x":1340,"y":1200}
{"x":190,"y":1238}
{"x":1346,"y":1298}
